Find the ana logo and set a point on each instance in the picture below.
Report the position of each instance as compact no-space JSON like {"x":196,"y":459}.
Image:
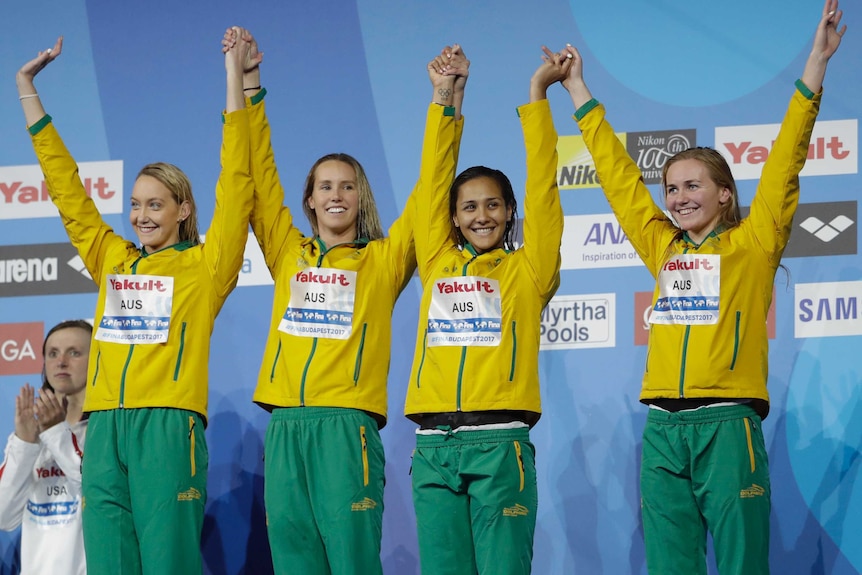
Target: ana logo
{"x":21,"y":348}
{"x":38,"y":270}
{"x":833,"y":148}
{"x":828,"y":309}
{"x":579,"y":322}
{"x":651,"y":150}
{"x":596,"y":241}
{"x":24,"y":194}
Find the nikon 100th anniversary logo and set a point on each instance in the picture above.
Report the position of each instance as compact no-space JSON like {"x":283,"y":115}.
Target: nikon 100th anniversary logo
{"x":651,"y":150}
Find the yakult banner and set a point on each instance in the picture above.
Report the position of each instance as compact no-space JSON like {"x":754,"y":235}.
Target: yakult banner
{"x":24,"y":194}
{"x":833,"y":148}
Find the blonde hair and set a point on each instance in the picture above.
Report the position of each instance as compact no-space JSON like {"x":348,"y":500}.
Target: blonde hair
{"x":368,"y":220}
{"x":718,"y":170}
{"x":175,"y":180}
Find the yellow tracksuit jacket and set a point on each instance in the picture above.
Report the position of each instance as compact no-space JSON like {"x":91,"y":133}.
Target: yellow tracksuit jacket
{"x":727,"y":359}
{"x":503,"y":377}
{"x":172,"y":374}
{"x":316,"y":371}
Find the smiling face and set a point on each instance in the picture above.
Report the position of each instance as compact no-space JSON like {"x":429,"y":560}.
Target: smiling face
{"x":155,"y":214}
{"x":481,"y":213}
{"x":66,"y":354}
{"x":694,"y":199}
{"x":334,"y":201}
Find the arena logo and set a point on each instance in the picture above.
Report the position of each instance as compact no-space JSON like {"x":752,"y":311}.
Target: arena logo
{"x":828,"y":309}
{"x":643,"y":307}
{"x":596,"y":241}
{"x":651,"y":150}
{"x":42,"y":269}
{"x":24,"y":194}
{"x":21,"y":348}
{"x":821,"y":229}
{"x":833,"y":148}
{"x":579,"y":322}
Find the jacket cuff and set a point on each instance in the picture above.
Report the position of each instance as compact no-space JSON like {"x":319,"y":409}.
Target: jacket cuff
{"x":37,"y":127}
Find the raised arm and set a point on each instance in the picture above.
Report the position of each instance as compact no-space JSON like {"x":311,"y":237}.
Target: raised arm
{"x":401,"y":245}
{"x":226,"y":238}
{"x":27,"y":94}
{"x":827,"y":38}
{"x":642,"y":220}
{"x":84,"y":225}
{"x":777,"y":195}
{"x":543,"y":212}
{"x":271,"y":220}
{"x":439,"y":161}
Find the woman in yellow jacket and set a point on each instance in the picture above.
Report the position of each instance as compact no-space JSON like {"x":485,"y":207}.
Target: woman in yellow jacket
{"x":145,"y":468}
{"x":704,"y":463}
{"x":326,"y":361}
{"x":474,"y":388}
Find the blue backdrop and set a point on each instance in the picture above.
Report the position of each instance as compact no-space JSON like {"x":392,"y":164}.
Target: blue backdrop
{"x":141,"y":82}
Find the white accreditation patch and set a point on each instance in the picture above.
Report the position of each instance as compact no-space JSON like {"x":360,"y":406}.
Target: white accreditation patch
{"x":689,"y":288}
{"x":465,"y":311}
{"x":53,"y":514}
{"x":321,"y":304}
{"x":137,"y":309}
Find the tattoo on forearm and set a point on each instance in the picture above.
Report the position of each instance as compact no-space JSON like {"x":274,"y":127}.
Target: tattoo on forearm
{"x":445,"y":93}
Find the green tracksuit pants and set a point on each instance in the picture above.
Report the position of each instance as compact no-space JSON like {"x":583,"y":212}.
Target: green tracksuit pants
{"x":144,"y":490}
{"x":702,"y":470}
{"x":323,"y":489}
{"x":475,"y":497}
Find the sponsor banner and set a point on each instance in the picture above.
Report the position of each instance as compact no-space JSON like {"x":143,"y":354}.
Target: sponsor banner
{"x":575,"y":167}
{"x":828,"y":309}
{"x":21,"y":348}
{"x":833,"y":148}
{"x":579,"y":322}
{"x":42,"y":269}
{"x":651,"y":150}
{"x":24,"y":195}
{"x":643,"y":308}
{"x":254,"y":271}
{"x":821,"y":229}
{"x":596,"y":241}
